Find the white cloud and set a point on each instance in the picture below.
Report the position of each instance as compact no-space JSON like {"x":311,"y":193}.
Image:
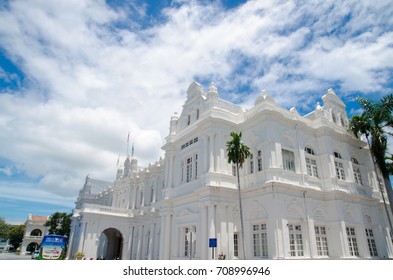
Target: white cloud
{"x":94,"y":73}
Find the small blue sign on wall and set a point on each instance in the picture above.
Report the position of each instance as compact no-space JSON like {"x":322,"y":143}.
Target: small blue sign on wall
{"x":212,"y":242}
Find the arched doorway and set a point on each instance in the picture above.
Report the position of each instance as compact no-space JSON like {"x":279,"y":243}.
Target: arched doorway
{"x":32,"y":247}
{"x":110,"y":244}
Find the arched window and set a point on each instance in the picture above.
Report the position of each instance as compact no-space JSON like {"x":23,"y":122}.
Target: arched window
{"x":151,"y":194}
{"x":334,"y":117}
{"x":337,"y":155}
{"x":354,"y":160}
{"x":141,"y":198}
{"x":309,"y":151}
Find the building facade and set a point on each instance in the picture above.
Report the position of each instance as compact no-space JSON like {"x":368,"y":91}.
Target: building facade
{"x":34,"y":233}
{"x":309,"y":190}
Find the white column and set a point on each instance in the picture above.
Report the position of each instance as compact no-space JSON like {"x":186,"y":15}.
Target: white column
{"x":168,"y":237}
{"x":203,"y":230}
{"x":163,"y":237}
{"x":81,"y":237}
{"x":140,"y":240}
{"x":211,"y":153}
{"x":211,"y":225}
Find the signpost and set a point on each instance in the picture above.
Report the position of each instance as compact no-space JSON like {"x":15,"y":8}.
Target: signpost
{"x":213,"y":244}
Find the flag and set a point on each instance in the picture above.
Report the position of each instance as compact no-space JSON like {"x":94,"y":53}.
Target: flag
{"x":132,"y":151}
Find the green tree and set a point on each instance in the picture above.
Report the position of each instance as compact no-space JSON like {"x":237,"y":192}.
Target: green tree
{"x":15,"y":235}
{"x":4,"y":228}
{"x":237,"y":153}
{"x":59,"y":223}
{"x":374,"y":123}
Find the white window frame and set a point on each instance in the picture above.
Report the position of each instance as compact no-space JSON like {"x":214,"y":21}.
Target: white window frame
{"x":296,"y":248}
{"x":259,"y":237}
{"x":196,"y":166}
{"x":251,"y":163}
{"x":372,"y":245}
{"x":259,"y":160}
{"x":357,"y":175}
{"x":340,"y":171}
{"x":186,"y":241}
{"x":321,"y":240}
{"x":236,"y":245}
{"x":352,"y":241}
{"x":312,"y":167}
{"x":288,"y":160}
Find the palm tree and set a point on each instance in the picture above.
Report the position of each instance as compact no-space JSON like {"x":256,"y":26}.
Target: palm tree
{"x":237,"y":152}
{"x":373,"y":124}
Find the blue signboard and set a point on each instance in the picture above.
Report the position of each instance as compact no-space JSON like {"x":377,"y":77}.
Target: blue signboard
{"x":212,"y":242}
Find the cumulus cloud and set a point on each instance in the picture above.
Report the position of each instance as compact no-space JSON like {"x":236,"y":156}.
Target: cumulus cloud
{"x":95,"y":71}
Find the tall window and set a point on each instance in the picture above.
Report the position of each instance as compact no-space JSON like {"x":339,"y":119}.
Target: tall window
{"x":234,"y":170}
{"x":235,"y":245}
{"x":357,"y":175}
{"x":288,"y":160}
{"x":352,"y":242}
{"x":340,"y":174}
{"x":259,"y":159}
{"x":151,"y":194}
{"x":189,"y":241}
{"x":196,"y":166}
{"x":260,"y":240}
{"x":197,"y":114}
{"x":334,"y":117}
{"x":141,"y":202}
{"x":321,"y":240}
{"x":186,"y":242}
{"x":189,"y":169}
{"x":295,"y":240}
{"x":372,"y":246}
{"x":188,"y":120}
{"x":251,"y":163}
{"x":312,"y":168}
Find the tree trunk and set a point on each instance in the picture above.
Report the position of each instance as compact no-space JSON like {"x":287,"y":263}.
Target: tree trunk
{"x":241,"y":210}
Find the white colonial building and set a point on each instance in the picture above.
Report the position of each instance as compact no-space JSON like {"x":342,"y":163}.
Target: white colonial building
{"x":34,"y":233}
{"x":309,"y":190}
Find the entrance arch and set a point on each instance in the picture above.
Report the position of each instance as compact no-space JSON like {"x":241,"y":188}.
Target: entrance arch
{"x":110,"y":244}
{"x":32,"y":247}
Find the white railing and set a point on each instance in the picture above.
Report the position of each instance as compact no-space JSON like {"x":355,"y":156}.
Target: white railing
{"x":34,"y":237}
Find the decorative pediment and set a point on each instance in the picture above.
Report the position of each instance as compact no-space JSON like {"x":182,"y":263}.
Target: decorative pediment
{"x":185,"y":212}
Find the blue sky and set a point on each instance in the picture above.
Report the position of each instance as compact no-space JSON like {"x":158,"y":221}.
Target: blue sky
{"x":77,"y":76}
